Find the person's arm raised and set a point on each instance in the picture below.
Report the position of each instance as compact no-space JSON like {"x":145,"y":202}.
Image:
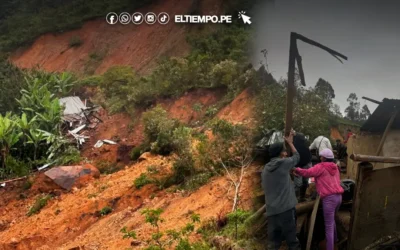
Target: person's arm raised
{"x":294,"y":160}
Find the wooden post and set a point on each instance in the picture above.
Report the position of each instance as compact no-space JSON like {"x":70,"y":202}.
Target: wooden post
{"x":291,"y":87}
{"x":389,"y":125}
{"x":293,"y":57}
{"x":312,"y":223}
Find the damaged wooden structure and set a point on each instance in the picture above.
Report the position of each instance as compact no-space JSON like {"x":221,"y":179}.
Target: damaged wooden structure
{"x":294,"y":56}
{"x":375,"y":213}
{"x":78,"y":116}
{"x":375,"y":165}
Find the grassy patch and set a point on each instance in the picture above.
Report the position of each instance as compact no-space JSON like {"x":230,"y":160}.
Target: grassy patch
{"x":106,"y":167}
{"x":142,"y":181}
{"x":40,"y":203}
{"x":105,"y":210}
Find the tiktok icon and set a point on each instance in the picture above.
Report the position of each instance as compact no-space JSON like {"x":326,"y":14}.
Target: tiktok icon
{"x":163,"y":18}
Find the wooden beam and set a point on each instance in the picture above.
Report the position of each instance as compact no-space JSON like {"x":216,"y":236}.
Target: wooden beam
{"x":371,"y":100}
{"x":317,"y":44}
{"x":17,"y":179}
{"x":312,"y":223}
{"x":389,"y":125}
{"x":374,"y":158}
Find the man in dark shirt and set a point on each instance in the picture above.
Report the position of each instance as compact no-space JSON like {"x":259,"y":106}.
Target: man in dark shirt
{"x":301,"y":144}
{"x":280,"y":197}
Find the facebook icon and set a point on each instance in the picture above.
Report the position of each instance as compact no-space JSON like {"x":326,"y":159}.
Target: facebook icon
{"x":111,"y":18}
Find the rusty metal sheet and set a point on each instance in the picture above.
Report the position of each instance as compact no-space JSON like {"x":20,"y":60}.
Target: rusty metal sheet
{"x":376,"y":207}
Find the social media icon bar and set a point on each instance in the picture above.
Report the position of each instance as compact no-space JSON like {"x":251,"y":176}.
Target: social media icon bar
{"x":137,"y":18}
{"x":151,"y":18}
{"x":125,"y":18}
{"x":112,"y":18}
{"x":163,"y":18}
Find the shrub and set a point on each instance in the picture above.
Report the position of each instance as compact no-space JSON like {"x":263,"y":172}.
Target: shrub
{"x":106,"y":167}
{"x":158,"y":130}
{"x":40,"y":202}
{"x":139,"y":150}
{"x":211,"y":111}
{"x":128,"y":234}
{"x":197,"y":107}
{"x":142,"y":181}
{"x":75,"y":41}
{"x":105,"y":210}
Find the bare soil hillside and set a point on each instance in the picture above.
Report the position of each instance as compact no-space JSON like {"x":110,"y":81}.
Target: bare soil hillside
{"x":107,"y":45}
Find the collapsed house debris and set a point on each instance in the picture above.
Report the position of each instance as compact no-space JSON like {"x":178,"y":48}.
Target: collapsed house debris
{"x":100,"y":143}
{"x":78,"y":116}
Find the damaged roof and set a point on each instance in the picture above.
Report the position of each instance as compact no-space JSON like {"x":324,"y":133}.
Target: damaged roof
{"x":73,"y":108}
{"x":378,"y":121}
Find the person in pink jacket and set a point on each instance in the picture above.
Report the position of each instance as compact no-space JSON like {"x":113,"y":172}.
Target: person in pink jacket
{"x":327,"y":182}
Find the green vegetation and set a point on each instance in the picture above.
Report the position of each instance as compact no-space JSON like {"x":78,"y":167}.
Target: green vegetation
{"x":165,"y":240}
{"x":40,"y":202}
{"x":22,"y":21}
{"x":141,"y":181}
{"x":216,"y":61}
{"x":31,"y":135}
{"x":75,"y":41}
{"x":11,"y":83}
{"x":128,"y":234}
{"x":106,"y":167}
{"x":105,"y":210}
{"x":138,"y":151}
{"x":233,"y":227}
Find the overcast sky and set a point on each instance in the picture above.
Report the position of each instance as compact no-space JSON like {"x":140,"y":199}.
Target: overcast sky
{"x":366,"y":31}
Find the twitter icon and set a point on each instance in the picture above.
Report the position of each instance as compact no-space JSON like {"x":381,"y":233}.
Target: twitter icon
{"x":137,"y":18}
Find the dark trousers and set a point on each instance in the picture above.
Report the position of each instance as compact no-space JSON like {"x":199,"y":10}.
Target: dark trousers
{"x":283,"y":227}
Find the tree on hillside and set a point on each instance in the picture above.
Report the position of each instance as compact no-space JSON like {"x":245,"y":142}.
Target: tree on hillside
{"x":324,"y":89}
{"x":353,"y":110}
{"x":11,"y":83}
{"x":365,"y":113}
{"x":335,"y":109}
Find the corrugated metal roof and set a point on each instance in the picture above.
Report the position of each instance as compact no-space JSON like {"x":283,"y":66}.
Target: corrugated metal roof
{"x":378,"y":121}
{"x":73,"y":105}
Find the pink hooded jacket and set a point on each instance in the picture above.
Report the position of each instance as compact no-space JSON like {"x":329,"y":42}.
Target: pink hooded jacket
{"x":327,"y":178}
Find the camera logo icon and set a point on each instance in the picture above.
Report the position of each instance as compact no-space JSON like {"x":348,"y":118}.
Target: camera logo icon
{"x":151,"y":18}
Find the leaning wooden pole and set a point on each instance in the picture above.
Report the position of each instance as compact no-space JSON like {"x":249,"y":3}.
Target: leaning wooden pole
{"x":389,"y":125}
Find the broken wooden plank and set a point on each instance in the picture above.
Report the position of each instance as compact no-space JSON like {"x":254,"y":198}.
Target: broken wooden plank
{"x":312,"y":223}
{"x":373,"y":158}
{"x":371,"y":100}
{"x":13,"y":180}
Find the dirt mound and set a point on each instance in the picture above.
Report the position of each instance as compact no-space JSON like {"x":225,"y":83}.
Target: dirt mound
{"x":192,"y":106}
{"x":73,"y":219}
{"x":335,"y":134}
{"x":240,"y":110}
{"x":107,"y":45}
{"x":128,"y":131}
